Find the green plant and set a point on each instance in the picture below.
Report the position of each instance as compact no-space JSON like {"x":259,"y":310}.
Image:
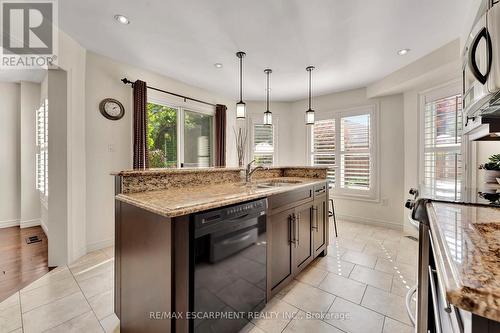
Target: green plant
{"x":492,"y":164}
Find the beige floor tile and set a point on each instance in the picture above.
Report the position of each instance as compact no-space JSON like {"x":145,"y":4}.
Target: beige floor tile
{"x":111,"y":324}
{"x":357,"y":319}
{"x":19,"y":330}
{"x":394,"y":326}
{"x":109,"y":251}
{"x":308,"y":298}
{"x":251,"y":328}
{"x":352,"y":244}
{"x":407,"y":257}
{"x":386,"y":303}
{"x":97,"y":284}
{"x":378,"y":249}
{"x":53,"y":290}
{"x":401,"y":286}
{"x":343,"y":287}
{"x":334,"y":265}
{"x":86,"y":322}
{"x":59,"y":273}
{"x":360,"y":258}
{"x":103,"y":267}
{"x":10,"y":314}
{"x":312,"y":275}
{"x":102,"y":304}
{"x":55,"y":313}
{"x":372,"y":277}
{"x":87,"y":261}
{"x":279,"y":314}
{"x":397,"y":268}
{"x":303,"y":322}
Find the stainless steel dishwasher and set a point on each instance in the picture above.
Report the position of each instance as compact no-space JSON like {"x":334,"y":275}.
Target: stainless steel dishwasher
{"x":229,"y":282}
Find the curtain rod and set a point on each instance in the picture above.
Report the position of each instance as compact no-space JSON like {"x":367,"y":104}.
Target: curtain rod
{"x":127,"y":81}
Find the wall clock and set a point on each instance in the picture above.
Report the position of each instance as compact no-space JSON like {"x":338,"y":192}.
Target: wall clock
{"x":111,"y":109}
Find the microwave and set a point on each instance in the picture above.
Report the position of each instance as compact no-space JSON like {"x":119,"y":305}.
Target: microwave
{"x":481,"y":76}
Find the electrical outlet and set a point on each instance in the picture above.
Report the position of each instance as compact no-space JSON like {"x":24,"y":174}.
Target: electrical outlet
{"x":111,"y":148}
{"x":385,"y":202}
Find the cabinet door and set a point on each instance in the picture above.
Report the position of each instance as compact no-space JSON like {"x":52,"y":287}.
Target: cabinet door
{"x":320,"y":217}
{"x":280,"y":247}
{"x":303,"y":251}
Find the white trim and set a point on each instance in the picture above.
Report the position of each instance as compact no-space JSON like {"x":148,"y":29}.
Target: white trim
{"x":30,"y":223}
{"x":9,"y":223}
{"x":369,"y":221}
{"x":372,"y":195}
{"x":100,"y":245}
{"x":45,"y":228}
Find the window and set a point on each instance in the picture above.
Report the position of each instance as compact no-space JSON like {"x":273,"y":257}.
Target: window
{"x":345,"y":142}
{"x":442,"y":157}
{"x":42,"y":149}
{"x":179,"y":137}
{"x":263,"y":144}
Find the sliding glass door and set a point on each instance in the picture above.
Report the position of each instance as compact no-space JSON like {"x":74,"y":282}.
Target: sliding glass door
{"x":179,"y":137}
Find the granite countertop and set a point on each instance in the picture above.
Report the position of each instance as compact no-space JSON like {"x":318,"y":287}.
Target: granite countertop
{"x":467,"y":246}
{"x":191,"y":199}
{"x":163,"y":171}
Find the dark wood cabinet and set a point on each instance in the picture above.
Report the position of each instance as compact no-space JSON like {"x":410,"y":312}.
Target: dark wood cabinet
{"x":303,"y":236}
{"x":298,"y":225}
{"x":320,"y":214}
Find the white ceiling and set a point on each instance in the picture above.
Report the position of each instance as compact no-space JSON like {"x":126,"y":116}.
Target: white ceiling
{"x":352,"y":43}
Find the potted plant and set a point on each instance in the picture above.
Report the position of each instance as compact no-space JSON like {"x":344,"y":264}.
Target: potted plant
{"x":491,"y":169}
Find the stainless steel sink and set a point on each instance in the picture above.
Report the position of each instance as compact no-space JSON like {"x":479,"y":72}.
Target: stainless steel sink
{"x":277,"y":183}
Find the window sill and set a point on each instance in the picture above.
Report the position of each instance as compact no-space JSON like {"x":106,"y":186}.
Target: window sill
{"x":343,"y":196}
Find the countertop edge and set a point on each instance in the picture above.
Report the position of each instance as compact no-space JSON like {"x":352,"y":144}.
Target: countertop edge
{"x":171,"y":213}
{"x":465,"y":298}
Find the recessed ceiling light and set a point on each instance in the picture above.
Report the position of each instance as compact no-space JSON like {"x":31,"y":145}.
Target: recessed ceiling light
{"x":403,"y":52}
{"x":218,"y":65}
{"x":121,"y":19}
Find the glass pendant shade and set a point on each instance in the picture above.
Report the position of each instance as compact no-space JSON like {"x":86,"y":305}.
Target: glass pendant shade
{"x":241,"y":110}
{"x":310,"y":117}
{"x":268,"y":118}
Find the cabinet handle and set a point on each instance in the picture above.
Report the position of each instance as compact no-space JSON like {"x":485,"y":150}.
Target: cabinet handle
{"x":297,"y":222}
{"x":290,"y":229}
{"x":315,"y":218}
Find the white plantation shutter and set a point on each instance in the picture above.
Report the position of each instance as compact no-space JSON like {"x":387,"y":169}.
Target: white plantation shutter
{"x":263,"y":144}
{"x":344,"y":143}
{"x":442,"y":169}
{"x":42,"y":145}
{"x":323,"y":146}
{"x":355,"y":152}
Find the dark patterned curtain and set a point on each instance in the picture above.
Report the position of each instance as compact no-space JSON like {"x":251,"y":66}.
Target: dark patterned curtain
{"x":220,"y":135}
{"x":141,"y":160}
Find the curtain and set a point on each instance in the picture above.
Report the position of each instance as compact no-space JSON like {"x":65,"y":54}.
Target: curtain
{"x":220,"y":135}
{"x":141,"y":160}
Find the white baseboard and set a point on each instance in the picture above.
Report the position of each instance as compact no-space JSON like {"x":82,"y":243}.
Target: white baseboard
{"x":29,"y":223}
{"x":100,"y":245}
{"x":370,"y":221}
{"x":45,"y":228}
{"x":9,"y":223}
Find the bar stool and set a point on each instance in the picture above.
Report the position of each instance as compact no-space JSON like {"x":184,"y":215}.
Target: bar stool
{"x":332,"y":213}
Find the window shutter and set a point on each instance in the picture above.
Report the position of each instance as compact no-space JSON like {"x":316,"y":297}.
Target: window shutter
{"x":323,"y":146}
{"x":442,"y":147}
{"x":355,"y":151}
{"x":42,"y":140}
{"x":263,"y":144}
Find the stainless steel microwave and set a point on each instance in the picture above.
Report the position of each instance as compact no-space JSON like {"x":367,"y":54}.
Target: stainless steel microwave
{"x":481,"y":74}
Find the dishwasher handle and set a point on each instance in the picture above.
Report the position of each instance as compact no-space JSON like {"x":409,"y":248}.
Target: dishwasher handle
{"x":437,"y":315}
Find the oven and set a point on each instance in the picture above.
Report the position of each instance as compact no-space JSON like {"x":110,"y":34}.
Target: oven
{"x":229,"y":259}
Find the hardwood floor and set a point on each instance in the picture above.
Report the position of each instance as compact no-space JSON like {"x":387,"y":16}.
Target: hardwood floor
{"x":21,"y":263}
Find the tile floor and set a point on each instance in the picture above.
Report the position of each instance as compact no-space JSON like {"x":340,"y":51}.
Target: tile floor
{"x":359,"y":287}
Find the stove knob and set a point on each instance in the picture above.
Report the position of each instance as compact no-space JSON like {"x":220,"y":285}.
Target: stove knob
{"x":410,"y":204}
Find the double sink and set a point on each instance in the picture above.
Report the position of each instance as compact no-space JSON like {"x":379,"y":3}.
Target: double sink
{"x":272,"y":183}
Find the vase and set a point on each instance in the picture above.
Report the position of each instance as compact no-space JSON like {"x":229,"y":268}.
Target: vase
{"x":490,"y":176}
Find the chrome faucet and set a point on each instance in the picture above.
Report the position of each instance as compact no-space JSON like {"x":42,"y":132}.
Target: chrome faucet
{"x":249,"y":171}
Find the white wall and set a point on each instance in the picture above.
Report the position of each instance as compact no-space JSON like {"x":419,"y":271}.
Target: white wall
{"x":109,"y":143}
{"x":9,"y":154}
{"x":29,"y":195}
{"x":388,"y":209}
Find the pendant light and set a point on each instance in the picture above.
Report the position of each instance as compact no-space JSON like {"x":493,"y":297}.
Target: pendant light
{"x":268,"y":116}
{"x":241,"y":106}
{"x":310,"y":111}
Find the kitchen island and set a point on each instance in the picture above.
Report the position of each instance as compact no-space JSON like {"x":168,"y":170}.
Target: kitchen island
{"x":170,"y":262}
